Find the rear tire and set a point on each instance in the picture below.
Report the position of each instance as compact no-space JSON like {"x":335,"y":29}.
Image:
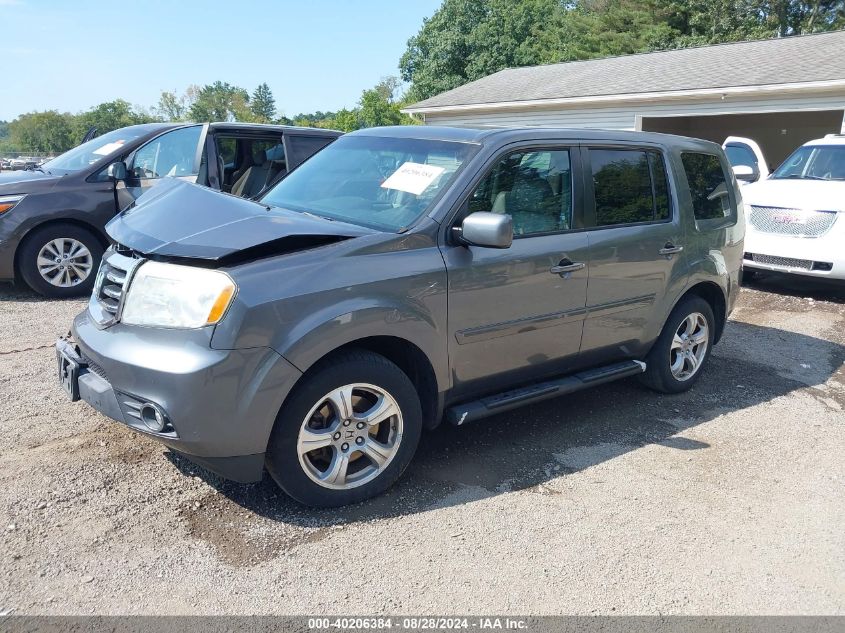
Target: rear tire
{"x":676,"y":360}
{"x":60,"y":260}
{"x":347,"y":432}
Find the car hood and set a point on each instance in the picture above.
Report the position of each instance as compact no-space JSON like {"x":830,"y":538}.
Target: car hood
{"x":183,"y":220}
{"x":24,"y":181}
{"x":818,"y":195}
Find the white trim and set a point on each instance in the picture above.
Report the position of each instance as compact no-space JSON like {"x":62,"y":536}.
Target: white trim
{"x":762,"y":90}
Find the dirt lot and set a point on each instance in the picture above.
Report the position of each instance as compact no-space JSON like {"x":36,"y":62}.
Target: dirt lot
{"x":725,"y":500}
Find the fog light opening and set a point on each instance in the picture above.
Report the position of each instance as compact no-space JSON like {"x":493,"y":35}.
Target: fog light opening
{"x":153,"y":417}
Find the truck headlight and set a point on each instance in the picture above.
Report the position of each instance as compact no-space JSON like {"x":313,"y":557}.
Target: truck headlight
{"x":169,"y":295}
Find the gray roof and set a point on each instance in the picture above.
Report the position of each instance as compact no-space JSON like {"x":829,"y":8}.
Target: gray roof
{"x":798,"y":59}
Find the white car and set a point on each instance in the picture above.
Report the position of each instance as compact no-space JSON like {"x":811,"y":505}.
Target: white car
{"x":796,"y":216}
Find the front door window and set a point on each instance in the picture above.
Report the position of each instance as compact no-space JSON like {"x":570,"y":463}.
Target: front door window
{"x":172,"y":154}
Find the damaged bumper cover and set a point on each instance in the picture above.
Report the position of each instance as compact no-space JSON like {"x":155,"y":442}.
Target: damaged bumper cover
{"x":218,"y":406}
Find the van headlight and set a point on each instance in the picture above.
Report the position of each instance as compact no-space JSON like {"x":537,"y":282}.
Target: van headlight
{"x":169,"y":295}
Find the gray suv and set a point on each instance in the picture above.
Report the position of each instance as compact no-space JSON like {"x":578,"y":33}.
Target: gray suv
{"x":401,"y":277}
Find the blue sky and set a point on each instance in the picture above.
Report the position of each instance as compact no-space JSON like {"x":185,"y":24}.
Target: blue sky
{"x":314,"y":54}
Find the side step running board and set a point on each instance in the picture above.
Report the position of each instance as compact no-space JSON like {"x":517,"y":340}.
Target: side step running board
{"x":497,"y":403}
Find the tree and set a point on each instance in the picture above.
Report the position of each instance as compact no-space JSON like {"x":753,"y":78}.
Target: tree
{"x":263,"y":105}
{"x":42,"y":132}
{"x":109,"y":116}
{"x":379,"y":107}
{"x":220,"y":101}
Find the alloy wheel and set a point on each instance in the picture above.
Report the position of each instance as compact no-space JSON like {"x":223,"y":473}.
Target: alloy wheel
{"x":689,"y":346}
{"x":350,"y":436}
{"x":64,"y":262}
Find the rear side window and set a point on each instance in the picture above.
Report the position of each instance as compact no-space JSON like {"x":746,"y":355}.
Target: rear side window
{"x":630,"y":186}
{"x":708,"y":186}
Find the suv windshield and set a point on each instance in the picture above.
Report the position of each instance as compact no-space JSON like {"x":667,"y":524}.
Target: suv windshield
{"x":382,"y":183}
{"x":89,"y":153}
{"x":814,"y":162}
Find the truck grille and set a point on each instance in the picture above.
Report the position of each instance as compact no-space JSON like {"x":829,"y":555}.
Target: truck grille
{"x":795,"y":222}
{"x":112,"y":279}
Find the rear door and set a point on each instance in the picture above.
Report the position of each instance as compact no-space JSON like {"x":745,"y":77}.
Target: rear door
{"x":517,"y":313}
{"x":637,"y":254}
{"x":175,"y":154}
{"x":301,"y":147}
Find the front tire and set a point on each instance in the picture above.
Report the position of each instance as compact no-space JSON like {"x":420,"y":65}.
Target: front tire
{"x":676,"y":361}
{"x":60,"y":260}
{"x":347,"y":432}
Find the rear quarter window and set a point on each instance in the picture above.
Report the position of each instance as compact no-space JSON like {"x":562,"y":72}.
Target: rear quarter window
{"x":708,"y":186}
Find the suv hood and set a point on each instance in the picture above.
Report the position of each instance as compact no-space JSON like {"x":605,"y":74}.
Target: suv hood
{"x":180,"y":219}
{"x":816,"y":195}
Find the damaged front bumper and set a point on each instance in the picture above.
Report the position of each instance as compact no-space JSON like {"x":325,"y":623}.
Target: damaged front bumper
{"x":217,"y":407}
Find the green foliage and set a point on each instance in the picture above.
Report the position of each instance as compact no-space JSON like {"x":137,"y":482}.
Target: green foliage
{"x":109,"y":116}
{"x":263,"y":105}
{"x":42,"y":132}
{"x":220,"y":101}
{"x":378,"y":105}
{"x":469,"y":39}
{"x":173,"y":107}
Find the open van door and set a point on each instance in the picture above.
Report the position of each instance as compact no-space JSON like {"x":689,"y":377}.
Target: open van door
{"x":91,"y":133}
{"x":746,"y":153}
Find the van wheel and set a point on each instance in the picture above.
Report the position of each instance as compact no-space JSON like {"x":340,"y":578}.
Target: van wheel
{"x":347,"y":432}
{"x":675,"y":362}
{"x":60,"y":260}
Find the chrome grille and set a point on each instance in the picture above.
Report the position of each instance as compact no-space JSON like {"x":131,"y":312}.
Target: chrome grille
{"x":795,"y":222}
{"x":115,"y":269}
{"x":783,"y":262}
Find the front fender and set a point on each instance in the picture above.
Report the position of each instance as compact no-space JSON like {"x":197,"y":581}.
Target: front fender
{"x":316,"y":337}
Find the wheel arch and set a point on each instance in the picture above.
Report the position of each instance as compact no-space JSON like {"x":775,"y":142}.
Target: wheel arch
{"x":406,"y":355}
{"x":714,"y":295}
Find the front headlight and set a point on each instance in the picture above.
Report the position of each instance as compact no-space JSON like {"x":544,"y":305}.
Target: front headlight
{"x":169,"y":295}
{"x":7,"y":203}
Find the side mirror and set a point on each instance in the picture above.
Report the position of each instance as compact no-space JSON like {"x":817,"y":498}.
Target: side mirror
{"x":746,"y":173}
{"x":493,"y":230}
{"x":117,"y":171}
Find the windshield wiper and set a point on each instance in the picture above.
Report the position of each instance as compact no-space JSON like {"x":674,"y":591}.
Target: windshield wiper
{"x":800,"y":177}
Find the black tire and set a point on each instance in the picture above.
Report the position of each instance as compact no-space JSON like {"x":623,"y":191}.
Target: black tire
{"x":282,"y":458}
{"x":658,"y":374}
{"x":35,"y":241}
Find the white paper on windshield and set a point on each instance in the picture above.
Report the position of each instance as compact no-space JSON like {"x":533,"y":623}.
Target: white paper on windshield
{"x":413,"y":178}
{"x":108,"y":148}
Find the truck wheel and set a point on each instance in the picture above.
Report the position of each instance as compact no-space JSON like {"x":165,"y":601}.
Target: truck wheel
{"x":60,"y":260}
{"x":347,"y":432}
{"x":675,"y":362}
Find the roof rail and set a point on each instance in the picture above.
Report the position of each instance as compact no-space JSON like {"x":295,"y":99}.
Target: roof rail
{"x":834,"y":135}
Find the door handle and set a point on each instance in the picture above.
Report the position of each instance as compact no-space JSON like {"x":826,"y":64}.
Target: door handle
{"x":670,"y":249}
{"x":566,"y":266}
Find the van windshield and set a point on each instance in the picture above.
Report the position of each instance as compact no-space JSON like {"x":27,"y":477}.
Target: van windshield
{"x":381,"y":183}
{"x":814,"y":162}
{"x":94,"y":150}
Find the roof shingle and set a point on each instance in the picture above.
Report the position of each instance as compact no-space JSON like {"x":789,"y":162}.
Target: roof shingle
{"x":798,"y":59}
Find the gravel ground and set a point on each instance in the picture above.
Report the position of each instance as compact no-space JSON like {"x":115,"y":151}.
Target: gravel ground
{"x":726,"y":500}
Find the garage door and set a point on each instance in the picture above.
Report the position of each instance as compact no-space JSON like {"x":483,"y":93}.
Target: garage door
{"x":778,"y":133}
